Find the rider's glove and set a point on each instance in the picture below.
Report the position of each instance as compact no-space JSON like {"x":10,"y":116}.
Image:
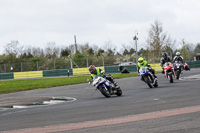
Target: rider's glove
{"x":102,"y":72}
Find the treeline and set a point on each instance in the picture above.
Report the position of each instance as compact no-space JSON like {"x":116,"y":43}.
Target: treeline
{"x":17,"y":57}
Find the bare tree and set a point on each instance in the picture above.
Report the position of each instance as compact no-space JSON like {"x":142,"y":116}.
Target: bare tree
{"x":51,"y":50}
{"x":158,"y":40}
{"x":13,"y":48}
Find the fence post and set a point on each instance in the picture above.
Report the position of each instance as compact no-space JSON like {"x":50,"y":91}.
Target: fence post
{"x":103,"y":60}
{"x":37,"y":65}
{"x":71,"y":61}
{"x":54,"y":64}
{"x":5,"y":68}
{"x":87,"y":60}
{"x":21,"y":67}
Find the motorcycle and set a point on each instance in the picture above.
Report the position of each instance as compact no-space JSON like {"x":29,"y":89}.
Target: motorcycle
{"x":169,"y":71}
{"x":178,"y":68}
{"x":106,"y":87}
{"x":186,"y":67}
{"x":148,"y":77}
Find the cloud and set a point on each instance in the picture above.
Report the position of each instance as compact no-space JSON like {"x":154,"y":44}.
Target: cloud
{"x":37,"y":22}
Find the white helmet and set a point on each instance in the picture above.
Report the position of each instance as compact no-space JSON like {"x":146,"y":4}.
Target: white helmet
{"x":178,"y":53}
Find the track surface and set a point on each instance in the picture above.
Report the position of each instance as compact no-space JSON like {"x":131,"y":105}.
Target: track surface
{"x":137,"y":100}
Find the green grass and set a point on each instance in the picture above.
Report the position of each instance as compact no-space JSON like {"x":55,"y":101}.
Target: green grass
{"x":29,"y":84}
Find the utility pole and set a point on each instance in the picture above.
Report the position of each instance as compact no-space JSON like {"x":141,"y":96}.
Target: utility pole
{"x":75,"y":44}
{"x":136,"y":38}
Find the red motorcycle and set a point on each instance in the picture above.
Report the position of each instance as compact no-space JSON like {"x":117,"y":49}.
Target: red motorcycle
{"x":169,"y":71}
{"x":186,"y":67}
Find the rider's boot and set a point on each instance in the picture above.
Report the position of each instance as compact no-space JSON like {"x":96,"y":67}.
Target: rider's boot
{"x":155,"y":77}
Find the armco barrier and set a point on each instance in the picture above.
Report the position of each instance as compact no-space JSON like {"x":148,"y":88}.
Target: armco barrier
{"x":6,"y":76}
{"x":115,"y":69}
{"x":31,"y":74}
{"x":194,"y":64}
{"x":111,"y":69}
{"x":58,"y":72}
{"x":83,"y":71}
{"x":132,"y":68}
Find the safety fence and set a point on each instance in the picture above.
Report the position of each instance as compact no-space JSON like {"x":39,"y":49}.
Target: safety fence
{"x":79,"y":71}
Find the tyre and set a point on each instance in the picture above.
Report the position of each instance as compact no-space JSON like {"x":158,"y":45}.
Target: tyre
{"x":156,"y":84}
{"x":177,"y":74}
{"x":119,"y":92}
{"x":104,"y":91}
{"x":171,"y":78}
{"x":148,"y":82}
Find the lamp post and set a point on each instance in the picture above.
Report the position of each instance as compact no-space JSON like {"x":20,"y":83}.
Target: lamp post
{"x":135,"y":38}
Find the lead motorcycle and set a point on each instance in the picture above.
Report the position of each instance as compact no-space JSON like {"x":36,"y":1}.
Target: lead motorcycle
{"x":148,"y":77}
{"x":178,"y":68}
{"x":169,"y":71}
{"x":106,"y":87}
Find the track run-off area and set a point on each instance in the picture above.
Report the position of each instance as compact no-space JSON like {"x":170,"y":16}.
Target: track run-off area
{"x":169,"y":108}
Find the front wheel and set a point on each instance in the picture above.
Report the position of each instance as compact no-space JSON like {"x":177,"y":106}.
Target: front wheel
{"x":148,"y":82}
{"x":104,"y":91}
{"x":177,"y":74}
{"x":171,"y":78}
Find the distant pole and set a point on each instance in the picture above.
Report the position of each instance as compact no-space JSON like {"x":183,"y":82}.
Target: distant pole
{"x":21,"y":67}
{"x":71,"y":61}
{"x":54,"y":64}
{"x":87,"y":60}
{"x":37,"y":65}
{"x":136,"y":38}
{"x":103,"y":60}
{"x":4,"y":68}
{"x":188,"y":53}
{"x":75,"y":44}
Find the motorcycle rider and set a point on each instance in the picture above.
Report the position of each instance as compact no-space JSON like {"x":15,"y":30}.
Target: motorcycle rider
{"x":165,"y":58}
{"x":178,"y":58}
{"x":142,"y":62}
{"x":97,"y":71}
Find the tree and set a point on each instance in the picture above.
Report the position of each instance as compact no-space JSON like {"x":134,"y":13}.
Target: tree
{"x":65,"y":52}
{"x":197,"y":48}
{"x":13,"y":48}
{"x":125,"y":52}
{"x":157,"y":40}
{"x":51,"y":50}
{"x":90,"y":51}
{"x":186,"y":50}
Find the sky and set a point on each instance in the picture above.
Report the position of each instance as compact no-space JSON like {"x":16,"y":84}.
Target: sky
{"x":37,"y":22}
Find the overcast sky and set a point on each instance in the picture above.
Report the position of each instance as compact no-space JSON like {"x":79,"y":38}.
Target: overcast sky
{"x":37,"y":22}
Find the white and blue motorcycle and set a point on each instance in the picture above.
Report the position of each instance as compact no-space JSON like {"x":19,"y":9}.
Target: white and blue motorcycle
{"x":106,"y":87}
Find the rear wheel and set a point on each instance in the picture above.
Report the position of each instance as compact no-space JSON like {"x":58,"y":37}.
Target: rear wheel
{"x":119,"y":92}
{"x":156,"y":84}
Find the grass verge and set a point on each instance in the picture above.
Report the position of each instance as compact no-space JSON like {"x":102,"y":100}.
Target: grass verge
{"x":30,"y":84}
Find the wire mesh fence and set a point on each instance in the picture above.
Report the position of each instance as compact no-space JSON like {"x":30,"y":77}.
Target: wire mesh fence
{"x":72,"y":62}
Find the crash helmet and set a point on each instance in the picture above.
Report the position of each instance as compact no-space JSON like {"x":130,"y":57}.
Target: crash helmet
{"x":141,"y":60}
{"x":178,"y":53}
{"x":164,"y":55}
{"x":92,"y":69}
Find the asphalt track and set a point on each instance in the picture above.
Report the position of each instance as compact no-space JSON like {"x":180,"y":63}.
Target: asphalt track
{"x":170,"y":108}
